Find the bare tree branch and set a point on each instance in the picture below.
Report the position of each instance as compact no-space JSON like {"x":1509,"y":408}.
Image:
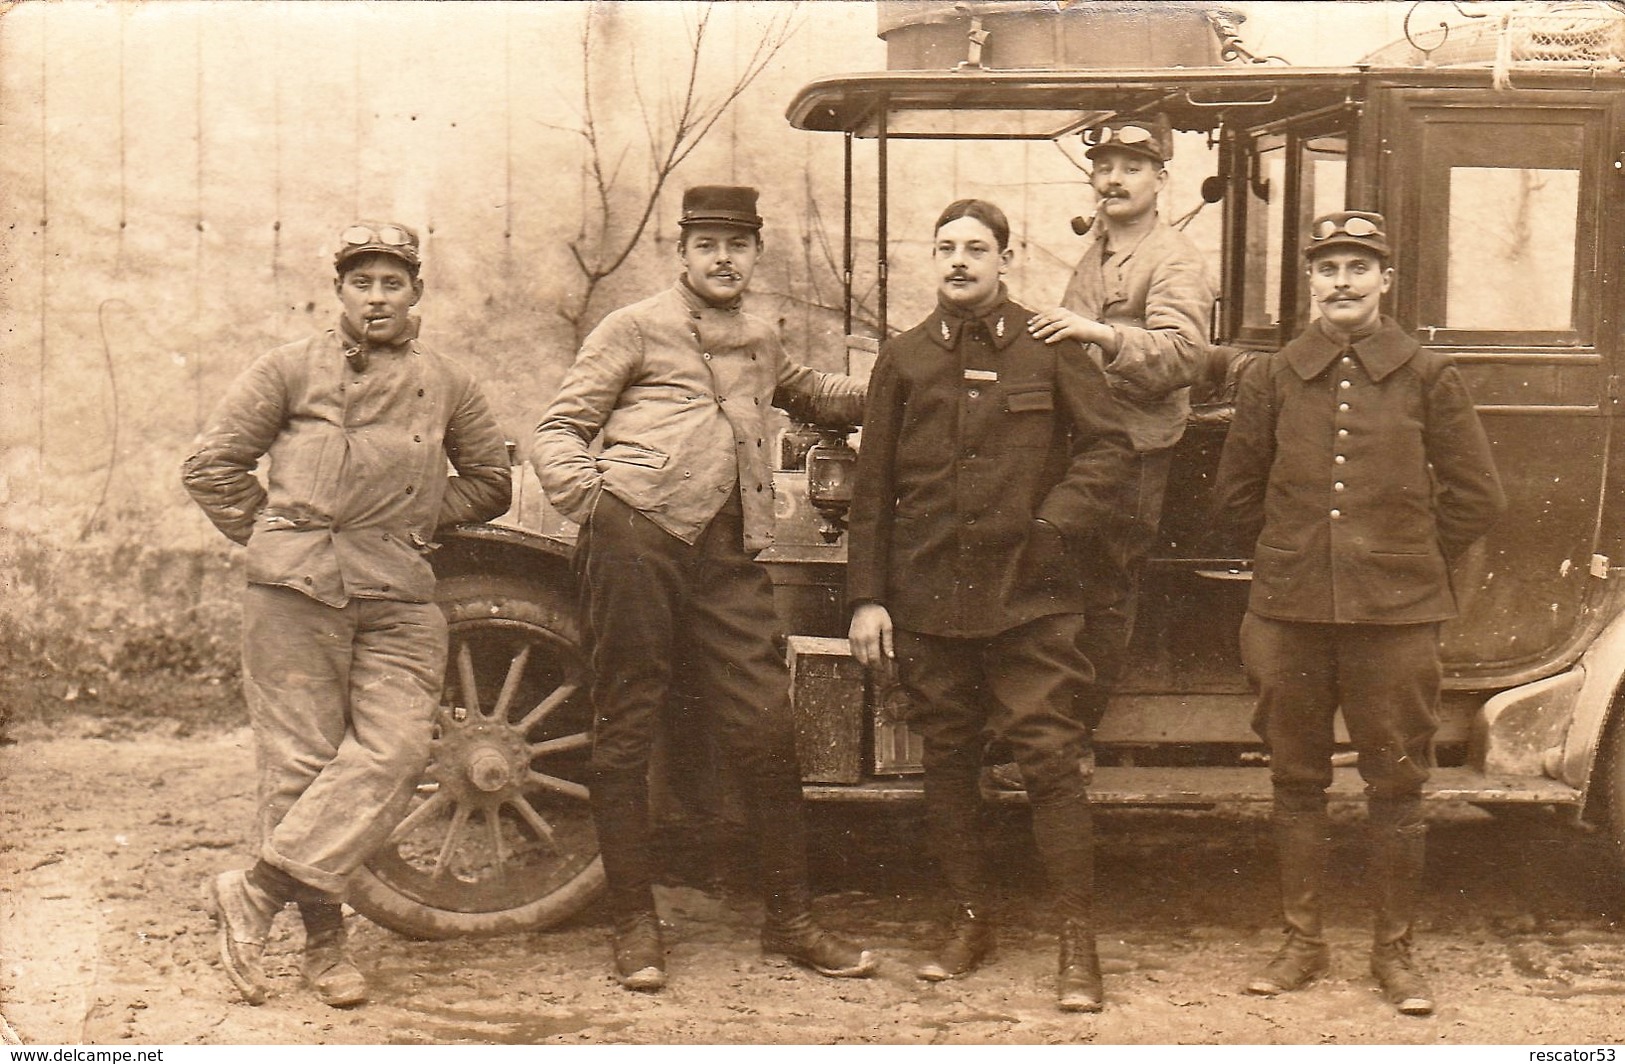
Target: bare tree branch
{"x":671,"y":131}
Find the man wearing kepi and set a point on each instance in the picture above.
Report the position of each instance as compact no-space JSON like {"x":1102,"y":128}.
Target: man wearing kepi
{"x":992,"y":466}
{"x":672,"y":512}
{"x":1139,"y":300}
{"x":1356,"y":472}
{"x":343,"y":645}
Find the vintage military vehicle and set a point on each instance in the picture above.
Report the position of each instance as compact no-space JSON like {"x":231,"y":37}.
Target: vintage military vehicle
{"x":1496,"y":149}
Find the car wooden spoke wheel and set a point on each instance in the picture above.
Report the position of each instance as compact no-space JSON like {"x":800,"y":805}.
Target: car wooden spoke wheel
{"x":499,"y":834}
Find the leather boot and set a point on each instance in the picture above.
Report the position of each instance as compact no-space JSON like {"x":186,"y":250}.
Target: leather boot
{"x":970,"y":940}
{"x":620,"y":812}
{"x":243,"y":913}
{"x":954,"y":823}
{"x":640,"y":954}
{"x":1301,"y":842}
{"x":326,"y":965}
{"x":1398,"y":851}
{"x":1078,"y":987}
{"x":1063,"y":829}
{"x":777,"y":821}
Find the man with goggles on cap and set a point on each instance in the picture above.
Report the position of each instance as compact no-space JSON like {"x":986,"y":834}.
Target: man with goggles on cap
{"x":343,"y":645}
{"x":1355,"y":472}
{"x":673,"y":509}
{"x":1140,"y":300}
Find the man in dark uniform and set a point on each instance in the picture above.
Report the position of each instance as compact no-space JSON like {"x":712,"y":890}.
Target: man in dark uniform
{"x":343,"y":645}
{"x":1356,"y":472}
{"x":992,"y":464}
{"x":672,"y":513}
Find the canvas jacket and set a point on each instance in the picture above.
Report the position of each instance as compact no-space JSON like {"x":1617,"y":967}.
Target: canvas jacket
{"x":974,"y":429}
{"x":680,"y":391}
{"x":1157,"y":297}
{"x":1361,"y":473}
{"x":357,"y":484}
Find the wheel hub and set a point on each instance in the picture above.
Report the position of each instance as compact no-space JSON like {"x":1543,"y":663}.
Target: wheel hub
{"x":480,"y":760}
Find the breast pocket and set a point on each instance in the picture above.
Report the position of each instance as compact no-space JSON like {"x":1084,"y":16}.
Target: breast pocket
{"x":1027,"y":411}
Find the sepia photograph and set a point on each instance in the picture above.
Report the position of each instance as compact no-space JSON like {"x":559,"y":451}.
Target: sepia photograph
{"x":634,"y":523}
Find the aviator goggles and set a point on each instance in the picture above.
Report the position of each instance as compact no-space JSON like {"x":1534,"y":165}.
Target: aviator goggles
{"x":1097,"y":136}
{"x":391,"y":238}
{"x":1358,"y":227}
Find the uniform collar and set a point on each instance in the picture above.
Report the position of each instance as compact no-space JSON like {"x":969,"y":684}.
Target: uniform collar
{"x":1380,"y":352}
{"x":357,"y":350}
{"x":1004,"y":321}
{"x":1152,"y":233}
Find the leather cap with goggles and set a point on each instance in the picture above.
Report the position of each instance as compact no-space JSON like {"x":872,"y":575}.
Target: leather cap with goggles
{"x":1152,"y":138}
{"x":1361,"y":229}
{"x":387,"y":238}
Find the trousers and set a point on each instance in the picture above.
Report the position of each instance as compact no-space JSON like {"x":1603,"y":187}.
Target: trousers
{"x":1023,"y":684}
{"x":1384,"y":677}
{"x":653,"y":608}
{"x":342,"y":702}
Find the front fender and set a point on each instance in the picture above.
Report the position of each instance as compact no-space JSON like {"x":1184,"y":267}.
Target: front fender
{"x":502,"y":550}
{"x":1602,"y":667}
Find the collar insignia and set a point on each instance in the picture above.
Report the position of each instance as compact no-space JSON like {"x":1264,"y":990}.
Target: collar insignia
{"x":998,"y":327}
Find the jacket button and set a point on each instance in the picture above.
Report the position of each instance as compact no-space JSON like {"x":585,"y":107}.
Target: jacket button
{"x":974,"y":393}
{"x":1340,"y":459}
{"x":308,"y":581}
{"x":1342,"y":432}
{"x":420,"y":393}
{"x":687,"y":474}
{"x":1345,"y":384}
{"x":1343,"y":407}
{"x":1336,"y":514}
{"x":386,"y":537}
{"x":384,"y":588}
{"x":707,"y":356}
{"x":410,"y":489}
{"x":416,"y":438}
{"x":1338,"y":486}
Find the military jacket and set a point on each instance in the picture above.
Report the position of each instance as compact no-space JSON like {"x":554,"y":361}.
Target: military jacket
{"x":357,"y":483}
{"x":680,"y":391}
{"x":1157,"y":297}
{"x":973,"y":430}
{"x":1360,"y":472}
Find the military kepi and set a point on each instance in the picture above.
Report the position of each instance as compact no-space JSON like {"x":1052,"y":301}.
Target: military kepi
{"x":1151,"y":137}
{"x":1361,"y":229}
{"x":720,"y":205}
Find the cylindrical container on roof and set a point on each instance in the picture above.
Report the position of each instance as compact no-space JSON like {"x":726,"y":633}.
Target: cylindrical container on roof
{"x":1047,"y":35}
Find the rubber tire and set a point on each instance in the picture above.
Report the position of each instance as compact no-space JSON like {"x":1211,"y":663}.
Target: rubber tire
{"x":1611,"y":778}
{"x":470,"y":602}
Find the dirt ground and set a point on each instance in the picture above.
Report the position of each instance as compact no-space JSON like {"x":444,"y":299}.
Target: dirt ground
{"x":109,"y":826}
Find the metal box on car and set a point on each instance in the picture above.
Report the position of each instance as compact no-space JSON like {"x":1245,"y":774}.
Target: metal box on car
{"x":826,"y":695}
